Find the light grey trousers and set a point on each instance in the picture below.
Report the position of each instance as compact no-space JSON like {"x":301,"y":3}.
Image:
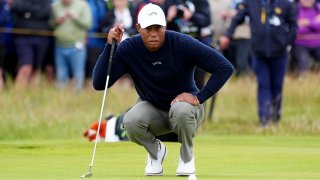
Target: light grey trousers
{"x":144,"y":121}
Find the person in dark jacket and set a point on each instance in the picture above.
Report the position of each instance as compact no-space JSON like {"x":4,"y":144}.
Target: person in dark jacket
{"x":5,"y":18}
{"x":31,"y":48}
{"x":161,"y":64}
{"x":273,"y":28}
{"x":95,"y":44}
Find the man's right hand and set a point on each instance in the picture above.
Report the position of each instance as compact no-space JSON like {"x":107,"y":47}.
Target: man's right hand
{"x":224,"y":42}
{"x":115,"y":33}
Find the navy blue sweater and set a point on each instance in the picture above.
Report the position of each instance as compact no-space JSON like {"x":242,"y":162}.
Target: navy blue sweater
{"x":160,"y":76}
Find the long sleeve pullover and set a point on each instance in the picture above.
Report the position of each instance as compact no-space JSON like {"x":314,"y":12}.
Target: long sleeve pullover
{"x":160,"y":76}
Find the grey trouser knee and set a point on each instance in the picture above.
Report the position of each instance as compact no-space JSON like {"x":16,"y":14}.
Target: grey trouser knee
{"x":144,"y":121}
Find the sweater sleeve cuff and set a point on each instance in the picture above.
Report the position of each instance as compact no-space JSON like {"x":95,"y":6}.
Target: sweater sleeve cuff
{"x":201,"y":100}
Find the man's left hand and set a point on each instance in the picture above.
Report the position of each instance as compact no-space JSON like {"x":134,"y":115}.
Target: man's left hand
{"x":186,"y":97}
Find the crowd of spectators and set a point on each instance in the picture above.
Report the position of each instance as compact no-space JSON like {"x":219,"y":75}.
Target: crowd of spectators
{"x":30,"y":24}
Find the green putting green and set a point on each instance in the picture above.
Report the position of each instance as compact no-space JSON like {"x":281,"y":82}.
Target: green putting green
{"x":217,"y":157}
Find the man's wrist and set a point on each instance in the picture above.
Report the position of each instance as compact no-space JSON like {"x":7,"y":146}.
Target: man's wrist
{"x":197,"y":100}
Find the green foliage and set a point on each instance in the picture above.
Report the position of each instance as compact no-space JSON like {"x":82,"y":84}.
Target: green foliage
{"x":48,"y":113}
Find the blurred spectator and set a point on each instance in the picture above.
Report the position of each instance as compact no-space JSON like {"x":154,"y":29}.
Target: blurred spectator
{"x":190,"y":17}
{"x":70,"y":19}
{"x":307,"y":43}
{"x":273,"y":27}
{"x":48,"y":64}
{"x":220,"y":16}
{"x":239,"y":51}
{"x":31,"y":48}
{"x":4,"y":20}
{"x":122,"y":12}
{"x":95,"y":44}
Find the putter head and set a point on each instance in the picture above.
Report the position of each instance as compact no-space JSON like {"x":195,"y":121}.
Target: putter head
{"x":87,"y":175}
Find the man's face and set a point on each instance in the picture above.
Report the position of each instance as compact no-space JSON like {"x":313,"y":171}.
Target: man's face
{"x":153,"y":36}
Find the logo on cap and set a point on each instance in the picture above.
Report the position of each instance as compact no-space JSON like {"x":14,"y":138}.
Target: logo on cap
{"x":153,"y":13}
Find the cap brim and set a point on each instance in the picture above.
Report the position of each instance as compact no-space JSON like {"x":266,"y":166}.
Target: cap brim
{"x":144,"y":25}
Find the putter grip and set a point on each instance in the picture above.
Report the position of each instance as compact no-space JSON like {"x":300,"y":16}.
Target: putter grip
{"x":111,"y":57}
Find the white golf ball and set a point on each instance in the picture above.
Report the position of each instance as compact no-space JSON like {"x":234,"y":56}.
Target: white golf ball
{"x":192,"y":177}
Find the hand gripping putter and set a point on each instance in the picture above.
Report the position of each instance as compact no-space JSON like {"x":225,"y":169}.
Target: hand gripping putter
{"x":89,"y":174}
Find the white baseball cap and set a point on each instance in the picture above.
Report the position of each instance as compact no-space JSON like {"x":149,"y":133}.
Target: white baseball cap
{"x":151,"y":14}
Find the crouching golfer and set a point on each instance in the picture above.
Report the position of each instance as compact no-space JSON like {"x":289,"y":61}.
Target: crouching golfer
{"x":161,"y":64}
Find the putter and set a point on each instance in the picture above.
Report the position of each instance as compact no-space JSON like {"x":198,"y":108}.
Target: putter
{"x":89,"y":174}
